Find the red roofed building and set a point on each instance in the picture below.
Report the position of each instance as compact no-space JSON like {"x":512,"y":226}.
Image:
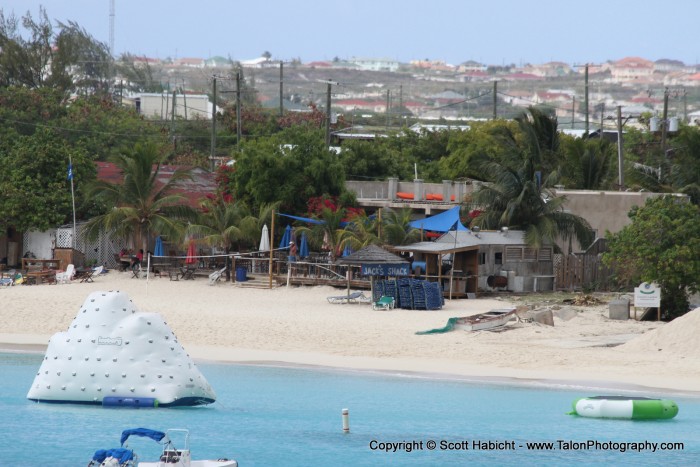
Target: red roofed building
{"x":202,"y":182}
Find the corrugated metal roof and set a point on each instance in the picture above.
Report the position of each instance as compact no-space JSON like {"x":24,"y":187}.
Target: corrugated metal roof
{"x":371,"y":254}
{"x":466,"y":240}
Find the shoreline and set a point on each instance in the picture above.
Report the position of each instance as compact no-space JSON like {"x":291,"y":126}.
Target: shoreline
{"x":297,"y":326}
{"x":533,"y":381}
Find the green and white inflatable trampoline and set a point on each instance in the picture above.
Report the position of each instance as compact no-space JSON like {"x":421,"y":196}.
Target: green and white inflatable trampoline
{"x":625,"y":407}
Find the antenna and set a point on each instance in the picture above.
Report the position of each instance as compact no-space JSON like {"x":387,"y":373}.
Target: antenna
{"x":111,"y":27}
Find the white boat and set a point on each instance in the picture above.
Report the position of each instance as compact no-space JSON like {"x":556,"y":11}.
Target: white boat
{"x":171,"y":456}
{"x":489,"y":320}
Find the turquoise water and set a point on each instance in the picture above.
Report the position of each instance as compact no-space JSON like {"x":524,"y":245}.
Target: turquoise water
{"x":268,"y":416}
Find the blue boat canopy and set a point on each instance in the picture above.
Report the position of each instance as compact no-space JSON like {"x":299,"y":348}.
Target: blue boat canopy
{"x":443,"y":222}
{"x":121,"y":454}
{"x":145,"y":432}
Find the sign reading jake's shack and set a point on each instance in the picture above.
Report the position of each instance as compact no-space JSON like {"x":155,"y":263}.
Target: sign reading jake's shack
{"x":393,"y":270}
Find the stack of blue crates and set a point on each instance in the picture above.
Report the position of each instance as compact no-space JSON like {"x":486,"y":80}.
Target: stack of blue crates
{"x":417,"y":287}
{"x":433,"y":297}
{"x":405,"y":296}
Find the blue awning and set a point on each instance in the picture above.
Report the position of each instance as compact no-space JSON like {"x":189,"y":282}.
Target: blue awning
{"x":303,"y":219}
{"x":443,"y":222}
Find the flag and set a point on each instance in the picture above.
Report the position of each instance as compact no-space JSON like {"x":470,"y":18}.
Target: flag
{"x":70,"y":171}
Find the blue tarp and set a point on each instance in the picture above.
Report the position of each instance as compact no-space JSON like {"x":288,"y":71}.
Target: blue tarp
{"x":443,"y":222}
{"x":154,"y":435}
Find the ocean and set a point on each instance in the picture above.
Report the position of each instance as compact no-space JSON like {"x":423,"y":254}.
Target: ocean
{"x":270,"y":416}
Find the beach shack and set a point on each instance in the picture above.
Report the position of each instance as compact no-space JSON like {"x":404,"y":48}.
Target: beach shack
{"x":466,"y":261}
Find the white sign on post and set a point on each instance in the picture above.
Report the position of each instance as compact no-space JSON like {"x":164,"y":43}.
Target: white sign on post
{"x":647,"y":295}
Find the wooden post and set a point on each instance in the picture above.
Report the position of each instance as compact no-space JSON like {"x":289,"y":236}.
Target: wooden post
{"x":272,"y":245}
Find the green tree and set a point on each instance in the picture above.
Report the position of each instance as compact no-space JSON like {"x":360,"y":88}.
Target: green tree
{"x":518,"y":193}
{"x":289,"y":167}
{"x":36,"y":192}
{"x":661,"y":245}
{"x":140,"y":206}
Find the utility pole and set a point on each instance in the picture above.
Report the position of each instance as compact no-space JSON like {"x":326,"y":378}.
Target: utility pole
{"x":620,"y":165}
{"x":238,"y":110}
{"x":212,"y":153}
{"x":585,"y":99}
{"x":328,"y":114}
{"x":329,"y":83}
{"x":281,"y":88}
{"x":388,"y":105}
{"x":573,"y":111}
{"x":401,"y":101}
{"x":172,"y":114}
{"x":664,"y":123}
{"x":495,"y":99}
{"x":602,"y":118}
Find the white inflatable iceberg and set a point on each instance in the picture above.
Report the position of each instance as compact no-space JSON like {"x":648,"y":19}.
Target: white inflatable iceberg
{"x":115,"y":355}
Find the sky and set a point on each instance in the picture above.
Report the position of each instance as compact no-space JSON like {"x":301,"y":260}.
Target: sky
{"x":492,"y":32}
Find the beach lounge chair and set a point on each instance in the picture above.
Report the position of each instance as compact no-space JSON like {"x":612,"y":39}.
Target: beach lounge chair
{"x":355,"y":297}
{"x":384,"y":303}
{"x":65,"y":276}
{"x":216,"y":275}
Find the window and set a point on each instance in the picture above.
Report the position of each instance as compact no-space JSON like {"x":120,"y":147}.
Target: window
{"x":530,"y":254}
{"x":546,"y":254}
{"x":513,"y":253}
{"x":498,"y":258}
{"x":482,"y":258}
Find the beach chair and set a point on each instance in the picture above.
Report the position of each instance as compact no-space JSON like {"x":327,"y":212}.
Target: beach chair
{"x":384,"y":303}
{"x":216,"y":275}
{"x":348,"y":298}
{"x":65,"y":276}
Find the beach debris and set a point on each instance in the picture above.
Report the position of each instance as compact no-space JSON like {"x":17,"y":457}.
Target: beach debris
{"x":113,"y":352}
{"x":582,"y":299}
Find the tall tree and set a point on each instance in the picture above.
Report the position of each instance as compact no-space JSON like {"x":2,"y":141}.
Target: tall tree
{"x":396,"y":229}
{"x":140,"y":206}
{"x":67,"y":60}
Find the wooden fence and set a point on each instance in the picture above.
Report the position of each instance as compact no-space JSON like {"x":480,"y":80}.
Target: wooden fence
{"x":581,"y":272}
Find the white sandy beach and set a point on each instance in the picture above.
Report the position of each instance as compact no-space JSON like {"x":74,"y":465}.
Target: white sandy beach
{"x":297,"y":325}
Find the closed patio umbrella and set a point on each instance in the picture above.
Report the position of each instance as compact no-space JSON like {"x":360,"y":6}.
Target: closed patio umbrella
{"x":286,"y":237}
{"x":264,"y":239}
{"x":304,"y":246}
{"x":191,"y":253}
{"x":158,"y":249}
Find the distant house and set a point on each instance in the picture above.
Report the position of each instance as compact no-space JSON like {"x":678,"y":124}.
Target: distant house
{"x":160,"y":105}
{"x":189,"y":62}
{"x":631,"y":69}
{"x":375,"y":64}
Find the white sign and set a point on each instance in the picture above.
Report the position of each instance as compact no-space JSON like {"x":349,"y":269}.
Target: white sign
{"x":647,"y":295}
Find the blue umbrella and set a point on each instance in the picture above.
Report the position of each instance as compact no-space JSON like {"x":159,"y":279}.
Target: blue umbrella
{"x":158,"y":250}
{"x":347,"y":251}
{"x":304,"y":247}
{"x":286,"y":238}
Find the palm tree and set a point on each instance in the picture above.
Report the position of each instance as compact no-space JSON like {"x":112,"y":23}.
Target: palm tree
{"x":360,"y":232}
{"x":395,"y":228}
{"x":329,"y":234}
{"x":140,"y":206}
{"x":519,"y":195}
{"x":587,"y":163}
{"x":222,"y":223}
